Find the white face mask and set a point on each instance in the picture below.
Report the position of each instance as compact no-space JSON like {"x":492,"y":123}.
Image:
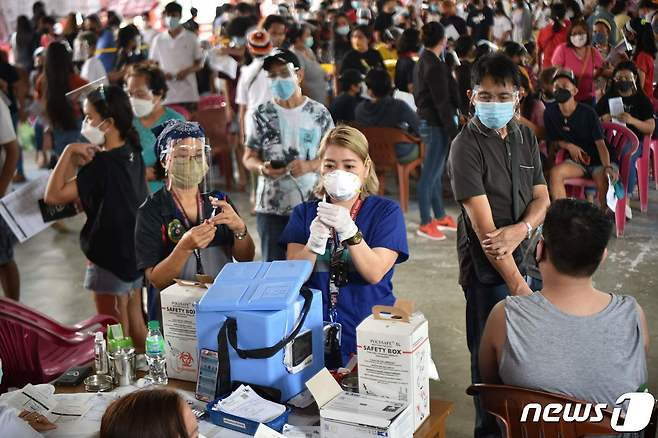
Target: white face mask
{"x":341,"y":185}
{"x":141,"y":107}
{"x":93,"y":133}
{"x":578,"y":40}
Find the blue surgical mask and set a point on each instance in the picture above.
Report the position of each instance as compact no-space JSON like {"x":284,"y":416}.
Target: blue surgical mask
{"x":494,"y":115}
{"x":283,"y":88}
{"x":598,"y":38}
{"x":172,"y":22}
{"x":308,"y":42}
{"x":434,"y":7}
{"x":356,"y":5}
{"x":343,"y":30}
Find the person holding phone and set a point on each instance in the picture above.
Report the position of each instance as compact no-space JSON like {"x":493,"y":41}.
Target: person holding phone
{"x":180,"y":231}
{"x":575,"y":127}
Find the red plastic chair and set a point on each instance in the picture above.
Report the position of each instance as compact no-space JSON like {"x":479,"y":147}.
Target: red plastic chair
{"x":211,"y":101}
{"x":617,"y":137}
{"x":86,"y":327}
{"x":34,"y":354}
{"x":654,"y":153}
{"x":642,"y":166}
{"x":181,"y":110}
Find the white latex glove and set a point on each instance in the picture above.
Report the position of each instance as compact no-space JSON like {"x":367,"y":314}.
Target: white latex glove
{"x":339,"y":219}
{"x":317,"y":241}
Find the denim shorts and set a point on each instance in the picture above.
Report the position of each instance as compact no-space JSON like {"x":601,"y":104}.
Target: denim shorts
{"x":591,"y":170}
{"x":101,"y":280}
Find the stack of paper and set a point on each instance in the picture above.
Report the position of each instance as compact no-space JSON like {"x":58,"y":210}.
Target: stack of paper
{"x":245,"y":403}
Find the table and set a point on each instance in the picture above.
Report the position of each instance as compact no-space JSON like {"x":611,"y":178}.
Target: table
{"x":433,"y":427}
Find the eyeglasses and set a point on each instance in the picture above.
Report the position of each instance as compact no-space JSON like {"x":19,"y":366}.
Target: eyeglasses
{"x":142,"y":93}
{"x":485,"y":96}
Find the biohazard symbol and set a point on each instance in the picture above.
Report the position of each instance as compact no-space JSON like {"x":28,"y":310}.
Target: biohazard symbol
{"x":186,"y":359}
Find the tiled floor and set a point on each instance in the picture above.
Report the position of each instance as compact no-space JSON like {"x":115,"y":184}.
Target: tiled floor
{"x":52,"y":268}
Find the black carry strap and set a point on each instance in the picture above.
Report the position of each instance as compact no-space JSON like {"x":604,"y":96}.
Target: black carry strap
{"x":229,"y":331}
{"x":516,"y":202}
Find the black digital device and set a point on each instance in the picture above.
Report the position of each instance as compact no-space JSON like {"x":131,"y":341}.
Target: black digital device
{"x":278,"y":164}
{"x":74,"y":376}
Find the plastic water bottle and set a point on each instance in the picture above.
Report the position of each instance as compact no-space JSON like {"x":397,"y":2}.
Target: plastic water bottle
{"x":100,"y":354}
{"x":155,"y":355}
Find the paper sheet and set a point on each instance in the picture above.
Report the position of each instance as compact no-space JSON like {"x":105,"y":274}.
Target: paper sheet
{"x":290,"y":431}
{"x":616,"y":105}
{"x":451,"y":33}
{"x":223,"y":63}
{"x":265,"y":432}
{"x":245,"y":403}
{"x":30,"y":399}
{"x":610,"y":197}
{"x":20,"y":209}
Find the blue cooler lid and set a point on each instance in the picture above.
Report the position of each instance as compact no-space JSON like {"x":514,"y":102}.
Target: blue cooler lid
{"x":256,"y":285}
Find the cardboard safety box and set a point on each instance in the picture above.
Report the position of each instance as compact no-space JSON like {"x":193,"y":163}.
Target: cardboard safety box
{"x":394,"y":357}
{"x":179,"y":326}
{"x":348,"y":414}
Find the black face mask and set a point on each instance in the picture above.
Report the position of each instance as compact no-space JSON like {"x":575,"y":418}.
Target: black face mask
{"x":562,"y":95}
{"x":625,"y":86}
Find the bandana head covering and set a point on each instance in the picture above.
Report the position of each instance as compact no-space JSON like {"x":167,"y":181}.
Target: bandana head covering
{"x":170,"y":131}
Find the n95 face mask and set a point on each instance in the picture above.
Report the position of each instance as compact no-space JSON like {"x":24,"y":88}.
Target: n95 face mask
{"x":341,"y":185}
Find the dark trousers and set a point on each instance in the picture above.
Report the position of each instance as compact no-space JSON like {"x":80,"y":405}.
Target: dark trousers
{"x":480,"y":299}
{"x":270,"y":228}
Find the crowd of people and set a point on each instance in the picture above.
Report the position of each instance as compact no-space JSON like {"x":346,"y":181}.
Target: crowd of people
{"x":508,"y":99}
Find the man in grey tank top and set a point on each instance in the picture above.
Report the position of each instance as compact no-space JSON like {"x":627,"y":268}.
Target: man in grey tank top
{"x":569,"y":338}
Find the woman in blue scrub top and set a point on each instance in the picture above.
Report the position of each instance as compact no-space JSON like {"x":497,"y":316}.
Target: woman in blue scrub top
{"x":147,"y":88}
{"x":353,"y":237}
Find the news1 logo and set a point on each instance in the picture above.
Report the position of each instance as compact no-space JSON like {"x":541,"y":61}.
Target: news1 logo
{"x":638,"y":413}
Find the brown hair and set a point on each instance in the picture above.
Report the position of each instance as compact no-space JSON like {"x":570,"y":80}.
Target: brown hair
{"x":155,"y":77}
{"x":148,"y":413}
{"x":350,"y":138}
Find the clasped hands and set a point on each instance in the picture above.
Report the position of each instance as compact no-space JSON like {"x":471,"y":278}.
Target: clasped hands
{"x":331,"y":216}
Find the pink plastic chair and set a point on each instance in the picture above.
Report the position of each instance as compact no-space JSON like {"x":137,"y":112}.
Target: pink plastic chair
{"x":181,"y":110}
{"x":211,"y":101}
{"x":86,"y":327}
{"x":617,"y":137}
{"x":642,"y":166}
{"x":34,"y":354}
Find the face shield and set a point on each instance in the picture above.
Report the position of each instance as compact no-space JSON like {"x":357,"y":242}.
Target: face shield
{"x":187,"y":163}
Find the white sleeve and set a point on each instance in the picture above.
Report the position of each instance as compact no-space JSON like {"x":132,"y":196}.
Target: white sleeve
{"x":7,"y":133}
{"x":241,"y":97}
{"x":198,"y":51}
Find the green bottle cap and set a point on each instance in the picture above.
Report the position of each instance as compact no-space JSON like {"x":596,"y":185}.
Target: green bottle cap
{"x":154,"y":325}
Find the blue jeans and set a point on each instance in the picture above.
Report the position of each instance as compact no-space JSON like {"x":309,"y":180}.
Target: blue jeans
{"x":270,"y":228}
{"x":430,"y":187}
{"x":632,"y":175}
{"x":480,"y":299}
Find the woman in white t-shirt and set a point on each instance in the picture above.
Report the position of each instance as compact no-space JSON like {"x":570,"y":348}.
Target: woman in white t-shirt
{"x":502,"y":27}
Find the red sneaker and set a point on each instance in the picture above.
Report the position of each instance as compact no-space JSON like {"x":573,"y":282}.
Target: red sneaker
{"x":447,"y":223}
{"x":429,"y":231}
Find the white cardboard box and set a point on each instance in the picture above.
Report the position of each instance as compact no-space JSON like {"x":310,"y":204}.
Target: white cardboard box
{"x":347,"y":414}
{"x":394,"y":358}
{"x":179,"y":327}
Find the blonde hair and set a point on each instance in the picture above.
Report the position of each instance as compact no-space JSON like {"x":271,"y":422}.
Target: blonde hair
{"x":350,"y":138}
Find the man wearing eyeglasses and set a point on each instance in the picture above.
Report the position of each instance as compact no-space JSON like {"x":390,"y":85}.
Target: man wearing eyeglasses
{"x":282,"y":147}
{"x":496,"y":176}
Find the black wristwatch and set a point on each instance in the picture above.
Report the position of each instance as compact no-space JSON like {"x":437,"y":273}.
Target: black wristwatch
{"x":354,"y":240}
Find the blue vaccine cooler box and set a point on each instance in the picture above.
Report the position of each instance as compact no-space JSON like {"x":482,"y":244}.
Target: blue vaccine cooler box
{"x":266,"y":322}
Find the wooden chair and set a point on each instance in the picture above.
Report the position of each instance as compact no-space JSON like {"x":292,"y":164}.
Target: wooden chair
{"x":214,"y":122}
{"x":381,"y":142}
{"x":507,"y":403}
